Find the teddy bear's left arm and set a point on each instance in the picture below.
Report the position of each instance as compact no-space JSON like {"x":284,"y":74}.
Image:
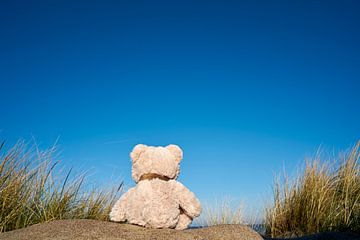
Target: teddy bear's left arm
{"x":118,"y":212}
{"x":187,"y":200}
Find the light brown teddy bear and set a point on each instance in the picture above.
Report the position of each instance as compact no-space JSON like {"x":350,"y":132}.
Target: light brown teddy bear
{"x":158,"y":200}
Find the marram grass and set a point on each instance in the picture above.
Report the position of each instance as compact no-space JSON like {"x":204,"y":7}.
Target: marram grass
{"x":33,"y":191}
{"x":226,"y":211}
{"x":325,"y":196}
{"x":220,"y":213}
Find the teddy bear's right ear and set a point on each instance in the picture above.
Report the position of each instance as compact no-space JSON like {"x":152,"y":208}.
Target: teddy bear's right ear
{"x":176,"y":151}
{"x":136,"y":152}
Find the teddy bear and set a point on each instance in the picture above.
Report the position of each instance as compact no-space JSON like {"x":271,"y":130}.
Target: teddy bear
{"x":157,"y":200}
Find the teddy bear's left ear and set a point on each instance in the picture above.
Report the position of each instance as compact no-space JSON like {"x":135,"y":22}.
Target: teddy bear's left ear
{"x":176,"y":151}
{"x":138,"y":149}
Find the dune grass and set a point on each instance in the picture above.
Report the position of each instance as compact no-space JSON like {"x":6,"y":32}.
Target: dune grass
{"x":226,"y":211}
{"x":220,"y":213}
{"x":33,"y":190}
{"x":325,"y":196}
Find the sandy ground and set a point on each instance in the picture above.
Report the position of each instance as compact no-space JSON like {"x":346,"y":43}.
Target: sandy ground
{"x":91,"y":229}
{"x":101,"y":230}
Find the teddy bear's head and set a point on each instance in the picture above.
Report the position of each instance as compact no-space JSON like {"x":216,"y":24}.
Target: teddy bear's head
{"x":149,"y":162}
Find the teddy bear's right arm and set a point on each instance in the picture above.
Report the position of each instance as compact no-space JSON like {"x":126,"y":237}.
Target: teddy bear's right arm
{"x":118,"y":212}
{"x":187,"y":200}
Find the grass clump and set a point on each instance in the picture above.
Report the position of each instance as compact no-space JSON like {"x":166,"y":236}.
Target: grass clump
{"x":33,"y":190}
{"x":221,"y":213}
{"x":325,"y":196}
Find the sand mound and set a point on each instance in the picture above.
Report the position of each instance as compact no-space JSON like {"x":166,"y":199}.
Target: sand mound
{"x":101,"y":230}
{"x":91,"y":229}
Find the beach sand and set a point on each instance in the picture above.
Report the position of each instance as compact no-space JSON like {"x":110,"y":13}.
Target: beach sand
{"x":92,"y":229}
{"x":102,"y":230}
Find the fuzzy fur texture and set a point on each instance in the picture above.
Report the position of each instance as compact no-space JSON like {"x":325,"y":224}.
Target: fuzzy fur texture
{"x":158,"y":200}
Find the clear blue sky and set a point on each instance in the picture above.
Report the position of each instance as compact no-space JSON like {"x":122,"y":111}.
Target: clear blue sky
{"x":244,"y":87}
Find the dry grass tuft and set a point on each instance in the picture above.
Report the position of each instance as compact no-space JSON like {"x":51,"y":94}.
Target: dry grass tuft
{"x":324,"y":197}
{"x":221,"y":213}
{"x":33,"y":191}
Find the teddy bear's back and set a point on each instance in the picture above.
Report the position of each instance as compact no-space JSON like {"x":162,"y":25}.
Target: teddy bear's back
{"x":152,"y":203}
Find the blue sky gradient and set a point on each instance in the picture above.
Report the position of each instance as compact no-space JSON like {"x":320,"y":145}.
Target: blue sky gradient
{"x":244,"y":87}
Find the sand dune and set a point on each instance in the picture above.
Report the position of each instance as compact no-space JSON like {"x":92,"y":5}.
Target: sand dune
{"x":92,"y":229}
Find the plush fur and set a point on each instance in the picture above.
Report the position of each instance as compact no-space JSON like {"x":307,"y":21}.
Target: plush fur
{"x":158,"y":200}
